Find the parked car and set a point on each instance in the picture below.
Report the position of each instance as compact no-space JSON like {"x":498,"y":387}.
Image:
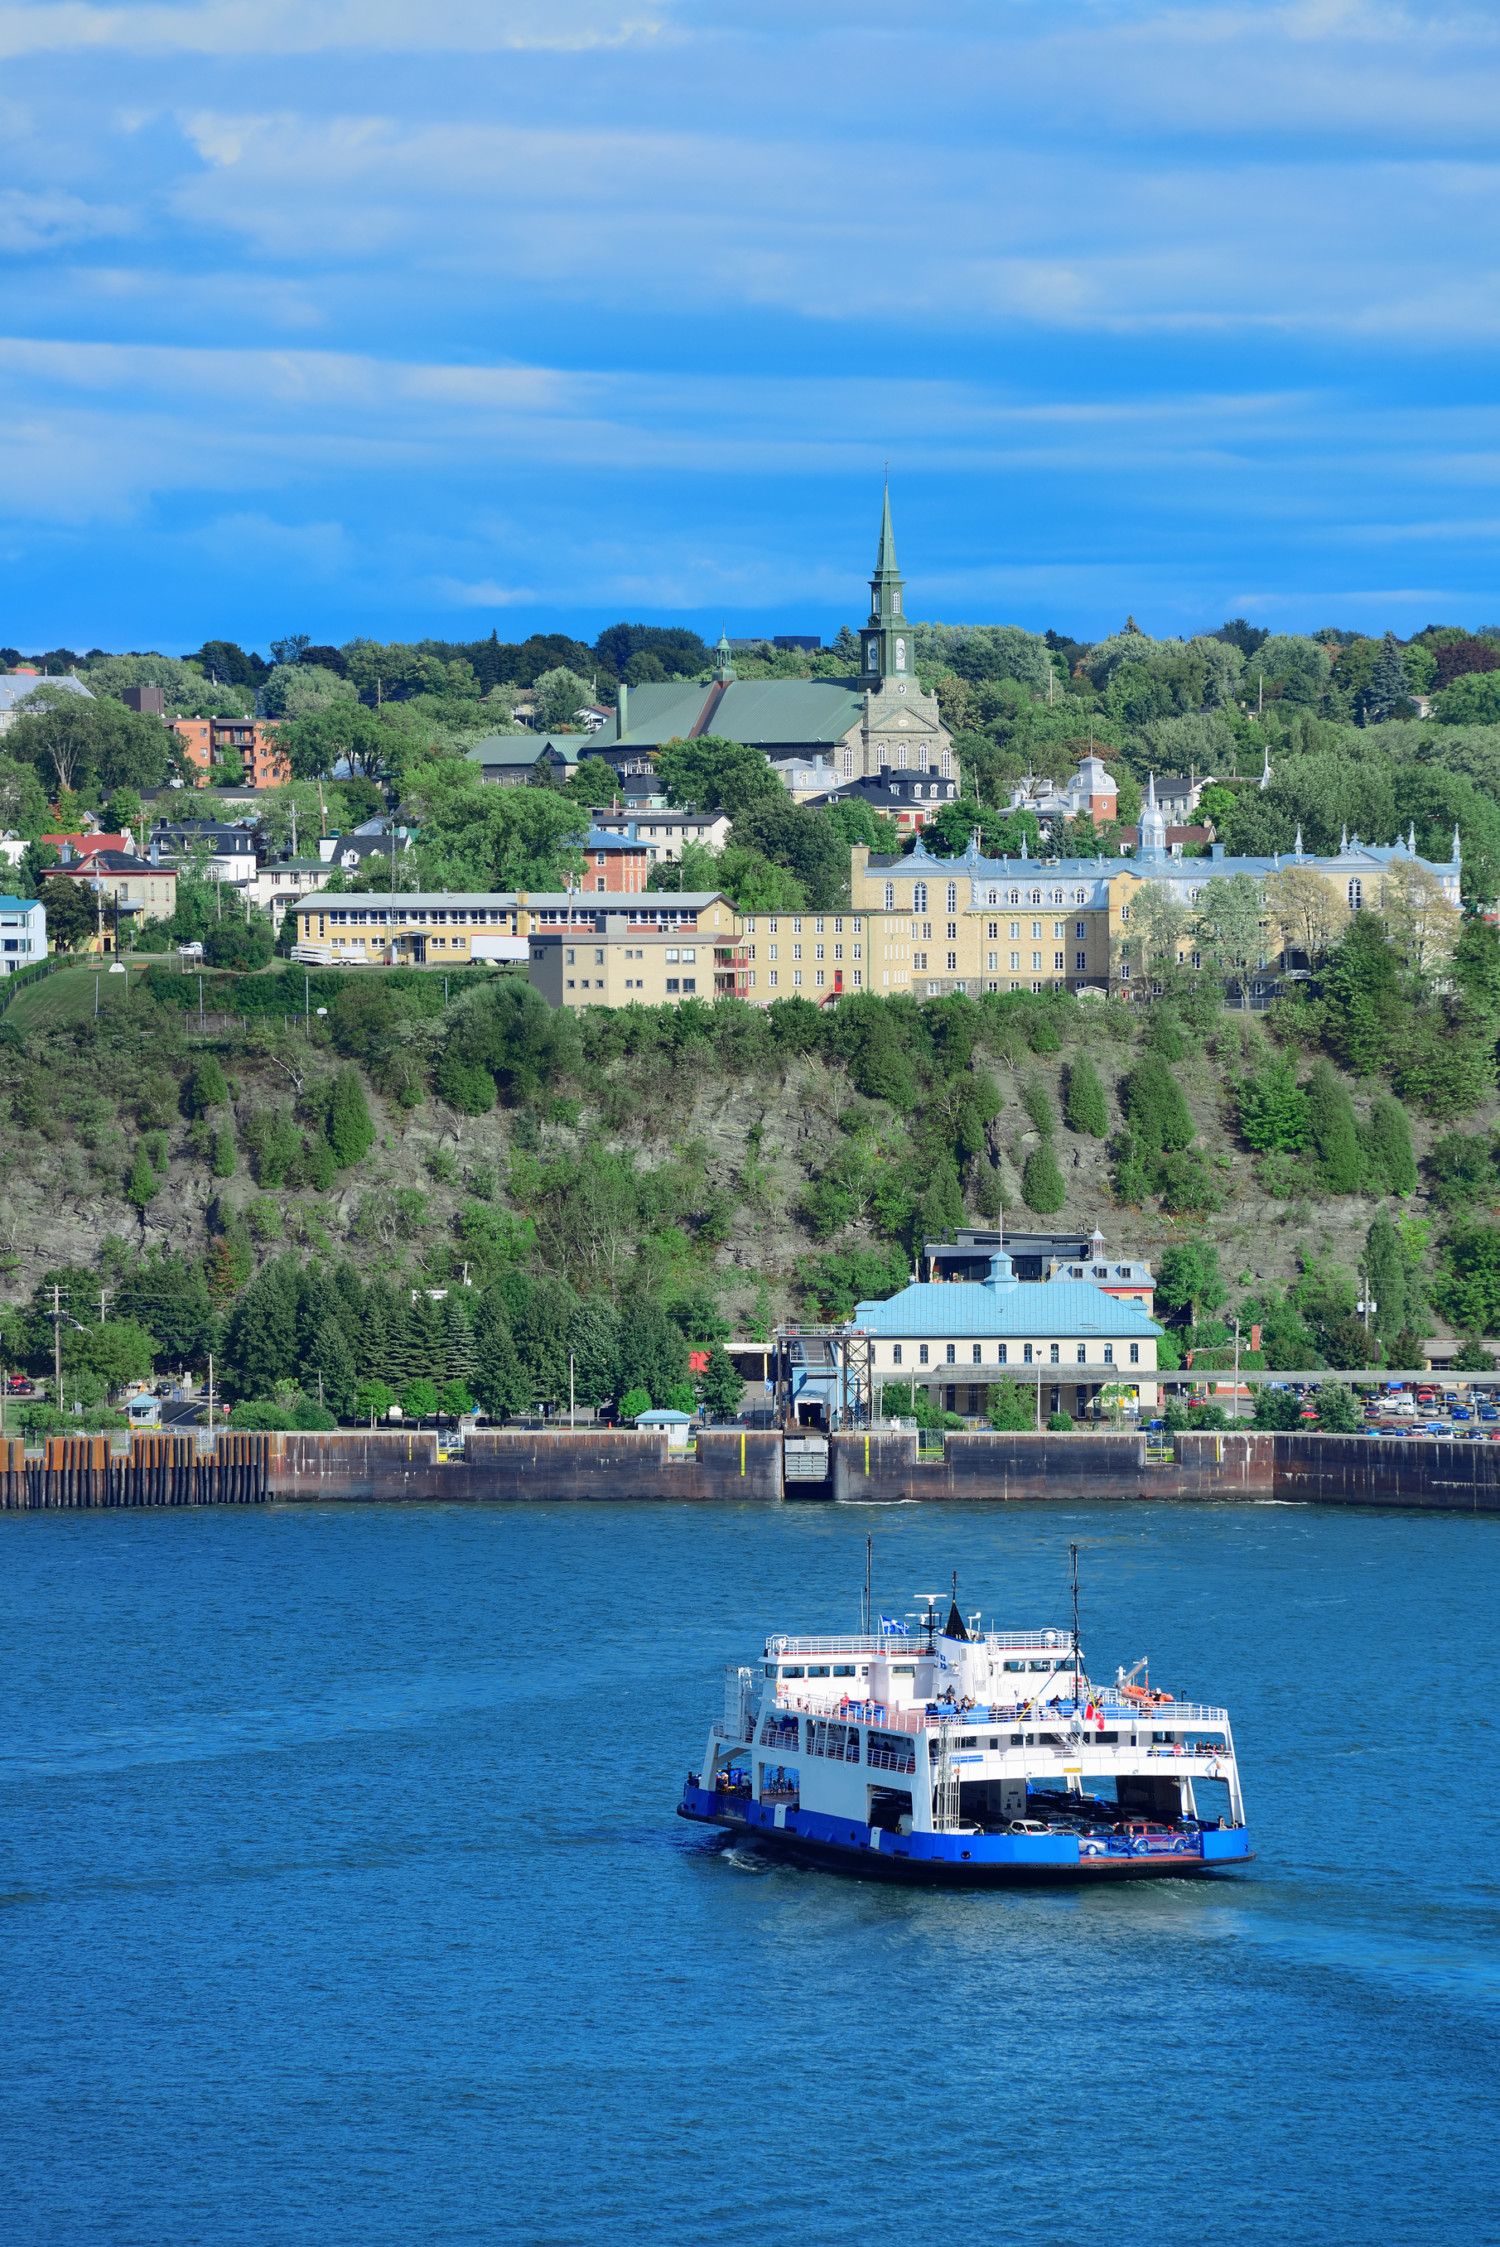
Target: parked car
{"x":19,"y":1386}
{"x":1462,"y":1412}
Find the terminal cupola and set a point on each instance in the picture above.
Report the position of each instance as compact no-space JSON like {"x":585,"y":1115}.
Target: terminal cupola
{"x":886,"y":643}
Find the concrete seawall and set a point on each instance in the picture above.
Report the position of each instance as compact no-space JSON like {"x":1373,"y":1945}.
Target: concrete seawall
{"x":96,"y":1473}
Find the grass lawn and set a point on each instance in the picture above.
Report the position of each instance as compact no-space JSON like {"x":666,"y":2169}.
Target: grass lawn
{"x":68,"y":996}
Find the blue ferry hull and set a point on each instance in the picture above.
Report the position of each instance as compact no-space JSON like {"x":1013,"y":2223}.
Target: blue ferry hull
{"x":951,"y":1860}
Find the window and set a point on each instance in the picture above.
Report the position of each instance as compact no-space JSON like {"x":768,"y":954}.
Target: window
{"x":772,"y":978}
{"x":771,"y":950}
{"x":1080,"y":961}
{"x":817,"y":948}
{"x":838,"y":927}
{"x":688,"y":958}
{"x":1109,"y":1353}
{"x":750,"y":925}
{"x":993,"y":961}
{"x":838,"y":951}
{"x":672,"y":983}
{"x":818,"y":929}
{"x":689,"y":983}
{"x":896,"y":1354}
{"x":951,"y":1355}
{"x":952,"y":930}
{"x":922,"y":1353}
{"x":797,"y":928}
{"x":599,"y":958}
{"x":1083,"y":1355}
{"x":819,"y":978}
{"x":796,"y":978}
{"x":1356,"y":895}
{"x":952,"y":962}
{"x":979,"y":1353}
{"x":1059,"y":960}
{"x":1002,"y":1353}
{"x":1036,"y":961}
{"x":953,"y":897}
{"x":1026,"y":1354}
{"x":796,"y":951}
{"x":919,"y":897}
{"x":570,"y":958}
{"x":772,"y":926}
{"x":993,"y":930}
{"x":1135,"y":1353}
{"x":1052,"y":1354}
{"x":1015,"y":962}
{"x":1015,"y":897}
{"x":1082,"y":930}
{"x":859,"y":929}
{"x":926,"y":929}
{"x":671,"y":957}
{"x":1036,"y":930}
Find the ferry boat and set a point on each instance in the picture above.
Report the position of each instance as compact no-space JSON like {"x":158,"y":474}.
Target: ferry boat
{"x":957,"y":1755}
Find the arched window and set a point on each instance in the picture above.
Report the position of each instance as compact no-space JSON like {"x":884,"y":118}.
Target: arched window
{"x":848,"y":764}
{"x":947,"y":764}
{"x":919,"y":897}
{"x":900,"y":655}
{"x":1356,"y":895}
{"x":953,"y":897}
{"x":1036,"y":897}
{"x":1015,"y":897}
{"x":890,"y":897}
{"x":994,"y":896}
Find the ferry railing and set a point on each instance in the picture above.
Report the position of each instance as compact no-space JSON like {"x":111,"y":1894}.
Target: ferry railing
{"x":1028,"y":1642}
{"x":1169,"y":1716}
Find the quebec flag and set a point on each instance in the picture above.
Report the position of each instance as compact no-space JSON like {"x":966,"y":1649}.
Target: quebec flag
{"x":899,"y":1630}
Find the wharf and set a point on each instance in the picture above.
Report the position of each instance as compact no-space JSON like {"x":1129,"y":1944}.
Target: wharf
{"x":151,"y":1469}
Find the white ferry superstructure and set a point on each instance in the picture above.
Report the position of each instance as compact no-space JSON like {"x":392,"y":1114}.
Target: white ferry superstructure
{"x":969,"y":1756}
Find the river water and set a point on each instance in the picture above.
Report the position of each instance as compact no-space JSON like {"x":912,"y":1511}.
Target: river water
{"x":344,"y":1901}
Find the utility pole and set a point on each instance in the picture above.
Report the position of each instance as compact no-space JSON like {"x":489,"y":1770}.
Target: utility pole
{"x":1236,"y":1369}
{"x":307,"y":1006}
{"x":570,"y":1392}
{"x":200,"y":1006}
{"x":101,"y":1306}
{"x":57,"y":1388}
{"x":210,"y":1390}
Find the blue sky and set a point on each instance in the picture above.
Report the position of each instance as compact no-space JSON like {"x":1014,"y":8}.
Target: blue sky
{"x":351,"y":316}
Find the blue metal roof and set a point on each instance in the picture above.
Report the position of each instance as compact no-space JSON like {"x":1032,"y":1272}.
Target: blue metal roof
{"x":974,"y":1308}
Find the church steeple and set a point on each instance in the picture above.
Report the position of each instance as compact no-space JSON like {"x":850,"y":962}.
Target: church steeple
{"x":885,"y":643}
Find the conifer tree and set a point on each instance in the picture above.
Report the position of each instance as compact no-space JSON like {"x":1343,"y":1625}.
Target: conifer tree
{"x":1389,"y":684}
{"x":428,"y":1338}
{"x":328,"y":1369}
{"x":1392,"y":1162}
{"x":205,"y":1087}
{"x":1153,"y":1102}
{"x":226,"y":1158}
{"x":143,"y":1185}
{"x":350,"y":1131}
{"x":1335,"y":1136}
{"x":261,"y":1341}
{"x":499,"y":1383}
{"x":1385,"y":1275}
{"x":1085,"y":1110}
{"x":1042,"y":1187}
{"x":458,"y":1338}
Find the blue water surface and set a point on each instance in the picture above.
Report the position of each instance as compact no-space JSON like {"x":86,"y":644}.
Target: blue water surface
{"x":344,"y":1901}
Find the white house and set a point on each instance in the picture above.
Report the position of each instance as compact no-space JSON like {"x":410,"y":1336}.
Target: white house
{"x":23,"y":933}
{"x":958,"y":1337}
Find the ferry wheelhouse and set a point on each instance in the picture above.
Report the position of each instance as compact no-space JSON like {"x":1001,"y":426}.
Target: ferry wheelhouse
{"x":969,"y":1756}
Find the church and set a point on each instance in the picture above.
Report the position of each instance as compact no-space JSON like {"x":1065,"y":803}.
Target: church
{"x":825,"y":733}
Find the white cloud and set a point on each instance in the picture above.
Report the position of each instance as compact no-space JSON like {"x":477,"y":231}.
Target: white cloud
{"x":48,"y":221}
{"x":286,"y":27}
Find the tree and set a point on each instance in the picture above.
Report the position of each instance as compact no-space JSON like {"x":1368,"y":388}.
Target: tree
{"x":499,"y":1381}
{"x":1333,"y":1131}
{"x":296,"y":690}
{"x":473,"y":837}
{"x":261,"y":1340}
{"x":1424,"y":927}
{"x":1085,"y":1109}
{"x":1472,"y":1357}
{"x":1226,"y":924}
{"x":801,"y":840}
{"x":653,"y":1353}
{"x":350,"y":1131}
{"x":634,"y":1402}
{"x":1154,"y":1105}
{"x":559,"y":696}
{"x":72,"y":915}
{"x":1338,"y":1414}
{"x":115,"y":1352}
{"x":373,"y":1399}
{"x":76,"y":743}
{"x":714,"y":773}
{"x":419,"y":1399}
{"x":1388,"y":1150}
{"x":454,"y":1399}
{"x":1304,"y":909}
{"x":1042,"y":1187}
{"x":204,"y":1087}
{"x":143,"y":1184}
{"x":721,"y":1382}
{"x":1468,"y":1284}
{"x":1012,"y":1408}
{"x":1273,"y":1109}
{"x":1190,"y":1280}
{"x":1277,"y":1408}
{"x":328,"y":1367}
{"x":23,"y":803}
{"x":243,"y":945}
{"x":225,"y":1156}
{"x":1154,"y":927}
{"x":1385,"y":1275}
{"x":1388,"y":694}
